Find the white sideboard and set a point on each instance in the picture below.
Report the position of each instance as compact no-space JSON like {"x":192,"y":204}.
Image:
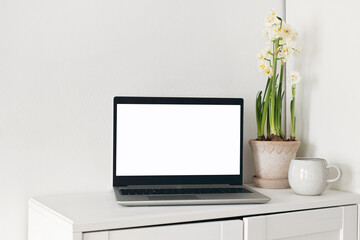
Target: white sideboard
{"x":97,"y":216}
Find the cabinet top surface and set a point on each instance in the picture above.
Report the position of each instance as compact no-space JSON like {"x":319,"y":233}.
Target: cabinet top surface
{"x":99,"y":211}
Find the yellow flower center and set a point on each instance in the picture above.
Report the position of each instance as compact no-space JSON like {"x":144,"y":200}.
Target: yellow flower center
{"x":286,"y":51}
{"x":268,"y":71}
{"x":277,"y":29}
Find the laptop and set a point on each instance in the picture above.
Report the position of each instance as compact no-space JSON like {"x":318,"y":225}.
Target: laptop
{"x":179,"y":151}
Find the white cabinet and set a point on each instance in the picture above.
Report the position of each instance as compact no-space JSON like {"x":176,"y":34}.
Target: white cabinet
{"x":97,"y":216}
{"x":338,"y":223}
{"x":217,"y":230}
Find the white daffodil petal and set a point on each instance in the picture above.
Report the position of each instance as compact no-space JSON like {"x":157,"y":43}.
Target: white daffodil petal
{"x":268,"y":72}
{"x":287,"y":32}
{"x":294,"y":78}
{"x":262,"y":65}
{"x":297,"y":50}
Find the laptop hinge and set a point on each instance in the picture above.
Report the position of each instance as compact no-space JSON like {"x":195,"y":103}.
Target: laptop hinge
{"x":177,"y":186}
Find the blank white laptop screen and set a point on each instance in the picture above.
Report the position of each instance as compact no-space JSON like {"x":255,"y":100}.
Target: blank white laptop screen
{"x":176,"y":139}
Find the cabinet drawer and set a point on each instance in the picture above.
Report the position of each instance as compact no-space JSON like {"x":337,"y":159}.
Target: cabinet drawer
{"x":217,"y":230}
{"x":335,"y":223}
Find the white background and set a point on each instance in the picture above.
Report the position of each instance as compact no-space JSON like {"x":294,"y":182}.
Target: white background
{"x":329,"y":116}
{"x":177,"y":140}
{"x":62,"y":62}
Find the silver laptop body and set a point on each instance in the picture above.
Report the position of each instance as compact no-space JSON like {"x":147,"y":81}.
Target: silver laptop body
{"x":179,"y":151}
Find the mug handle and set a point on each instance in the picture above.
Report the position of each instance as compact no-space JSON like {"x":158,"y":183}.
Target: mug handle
{"x":339,"y":173}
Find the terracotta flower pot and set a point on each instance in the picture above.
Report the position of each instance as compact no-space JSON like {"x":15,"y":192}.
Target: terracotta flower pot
{"x":272,"y":160}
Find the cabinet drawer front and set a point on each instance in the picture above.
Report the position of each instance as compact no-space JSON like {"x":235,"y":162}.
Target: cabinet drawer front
{"x":329,"y":223}
{"x":104,"y":235}
{"x":222,"y":230}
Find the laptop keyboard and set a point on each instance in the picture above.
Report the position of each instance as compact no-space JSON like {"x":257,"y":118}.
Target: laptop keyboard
{"x":158,"y":191}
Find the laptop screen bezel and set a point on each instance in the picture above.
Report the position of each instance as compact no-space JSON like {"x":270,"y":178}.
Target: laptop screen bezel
{"x":179,"y":179}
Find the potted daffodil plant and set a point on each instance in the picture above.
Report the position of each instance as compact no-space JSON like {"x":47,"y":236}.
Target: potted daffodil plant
{"x":272,"y":150}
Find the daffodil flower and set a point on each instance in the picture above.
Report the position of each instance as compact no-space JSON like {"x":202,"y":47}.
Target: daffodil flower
{"x":280,"y":38}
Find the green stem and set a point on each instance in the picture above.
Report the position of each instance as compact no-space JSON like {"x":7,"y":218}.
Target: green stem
{"x":268,"y":124}
{"x":292,"y":110}
{"x":265,"y":108}
{"x":273,"y":90}
{"x":281,"y":79}
{"x":280,"y":101}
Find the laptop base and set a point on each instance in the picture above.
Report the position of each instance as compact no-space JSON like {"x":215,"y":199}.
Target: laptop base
{"x":190,"y":199}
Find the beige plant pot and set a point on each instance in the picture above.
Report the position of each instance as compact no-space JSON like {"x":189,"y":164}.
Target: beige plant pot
{"x":272,"y":160}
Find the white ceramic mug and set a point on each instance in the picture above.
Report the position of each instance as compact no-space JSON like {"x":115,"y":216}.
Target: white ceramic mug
{"x":310,"y":176}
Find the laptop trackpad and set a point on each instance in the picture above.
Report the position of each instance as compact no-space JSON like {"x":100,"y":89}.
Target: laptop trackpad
{"x":173,"y":197}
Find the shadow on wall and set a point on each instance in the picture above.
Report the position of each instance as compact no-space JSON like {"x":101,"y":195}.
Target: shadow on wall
{"x":347,"y":180}
{"x":306,"y":150}
{"x":307,"y":64}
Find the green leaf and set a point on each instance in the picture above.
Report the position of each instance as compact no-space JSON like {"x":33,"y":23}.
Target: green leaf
{"x":265,"y":109}
{"x":281,"y":78}
{"x":266,"y":88}
{"x":259,"y":107}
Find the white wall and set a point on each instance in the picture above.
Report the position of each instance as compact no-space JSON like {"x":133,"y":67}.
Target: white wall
{"x":328,"y":112}
{"x":63,"y":61}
